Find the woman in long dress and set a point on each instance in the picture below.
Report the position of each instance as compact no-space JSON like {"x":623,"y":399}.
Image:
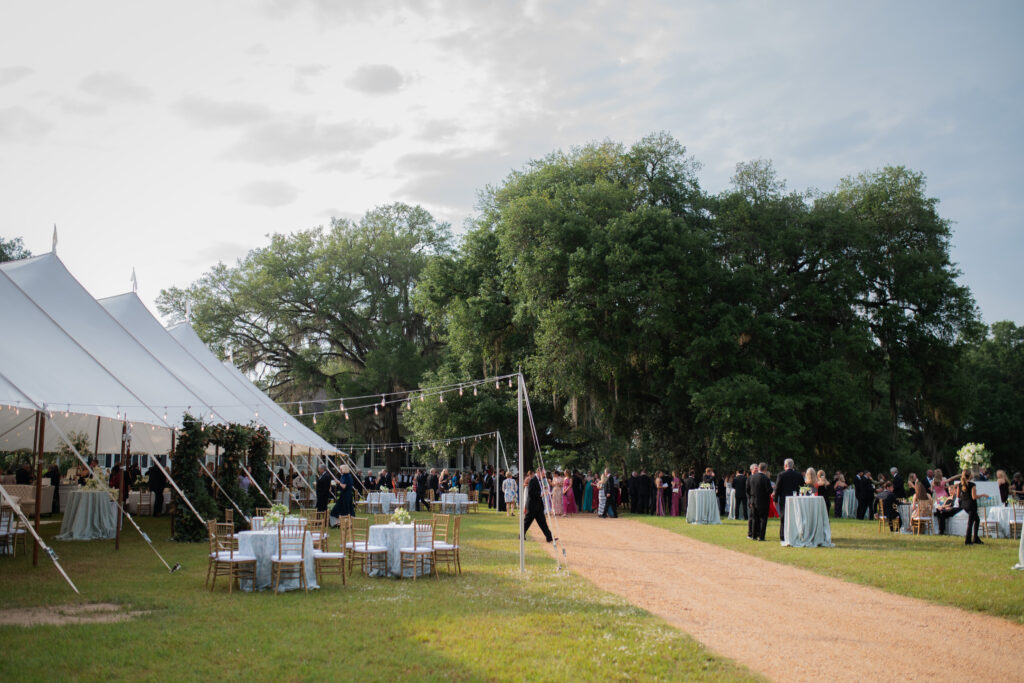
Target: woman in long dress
{"x":588,"y":496}
{"x":677,"y":493}
{"x":600,"y":496}
{"x":659,"y":508}
{"x":568,"y":496}
{"x":556,"y":494}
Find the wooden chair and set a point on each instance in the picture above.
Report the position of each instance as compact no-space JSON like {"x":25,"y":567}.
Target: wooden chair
{"x":921,"y":518}
{"x":398,"y":501}
{"x":12,"y":531}
{"x":225,"y":560}
{"x":883,"y":520}
{"x":6,"y":529}
{"x":261,"y":512}
{"x":448,"y":552}
{"x":421,"y":552}
{"x":145,"y":503}
{"x":381,"y":518}
{"x":1016,"y":518}
{"x":358,"y":549}
{"x":474,"y":501}
{"x":989,"y":527}
{"x":291,"y":555}
{"x":328,"y":561}
{"x":318,"y":530}
{"x":440,"y":522}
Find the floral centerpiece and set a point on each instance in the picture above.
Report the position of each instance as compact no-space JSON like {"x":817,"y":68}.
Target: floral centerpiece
{"x":706,"y":486}
{"x":401,"y":516}
{"x":973,"y":456}
{"x":141,"y":483}
{"x":277,"y":515}
{"x":384,"y":489}
{"x":98,"y":480}
{"x":806,"y":491}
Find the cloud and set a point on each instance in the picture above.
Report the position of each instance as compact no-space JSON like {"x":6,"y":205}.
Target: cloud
{"x":376,"y":79}
{"x":13,"y":74}
{"x":438,"y":130}
{"x":304,"y":138}
{"x":453,"y":178}
{"x":257,"y":50}
{"x":218,"y":252}
{"x":343,"y":164}
{"x":270,"y":193}
{"x":79,"y":107}
{"x":113,"y":86}
{"x":206,"y":113}
{"x":18,"y":124}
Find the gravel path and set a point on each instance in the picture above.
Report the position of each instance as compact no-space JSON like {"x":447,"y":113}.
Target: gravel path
{"x":783,"y":622}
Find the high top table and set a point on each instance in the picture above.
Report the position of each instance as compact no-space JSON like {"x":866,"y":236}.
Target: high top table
{"x":702,"y":507}
{"x":88,"y":515}
{"x":807,"y":524}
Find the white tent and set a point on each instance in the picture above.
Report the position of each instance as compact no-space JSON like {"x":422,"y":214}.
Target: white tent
{"x":92,"y":364}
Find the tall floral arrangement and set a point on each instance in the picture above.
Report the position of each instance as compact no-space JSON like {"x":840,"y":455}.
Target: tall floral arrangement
{"x":973,"y":456}
{"x":191,"y":446}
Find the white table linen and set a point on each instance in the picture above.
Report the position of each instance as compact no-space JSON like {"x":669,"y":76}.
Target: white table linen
{"x":263,"y":546}
{"x":393,"y":537}
{"x":702,"y":507}
{"x":88,"y":515}
{"x":382,"y":501}
{"x":849,"y":503}
{"x":454,"y":502}
{"x":807,"y":524}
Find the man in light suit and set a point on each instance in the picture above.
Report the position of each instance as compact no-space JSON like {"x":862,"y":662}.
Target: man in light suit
{"x":788,"y":484}
{"x":759,"y":493}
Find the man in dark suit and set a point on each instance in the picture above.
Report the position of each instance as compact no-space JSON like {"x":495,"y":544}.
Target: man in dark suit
{"x":890,"y":506}
{"x":323,"y":488}
{"x":490,"y":488}
{"x":898,"y":487}
{"x":433,"y":483}
{"x":633,"y":486}
{"x":788,"y":484}
{"x":157,"y":484}
{"x":864,"y":491}
{"x":535,"y":506}
{"x":759,"y":493}
{"x":421,"y":489}
{"x":644,"y":488}
{"x":739,"y":485}
{"x":610,"y":494}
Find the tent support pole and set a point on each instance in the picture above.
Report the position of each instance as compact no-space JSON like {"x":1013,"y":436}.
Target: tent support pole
{"x":96,"y":447}
{"x":41,"y":438}
{"x":120,"y":486}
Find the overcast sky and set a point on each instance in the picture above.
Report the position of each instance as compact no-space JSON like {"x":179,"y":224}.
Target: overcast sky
{"x":169,"y":136}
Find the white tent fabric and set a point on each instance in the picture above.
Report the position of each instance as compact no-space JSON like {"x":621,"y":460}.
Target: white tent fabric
{"x":260,"y":407}
{"x":87,"y":362}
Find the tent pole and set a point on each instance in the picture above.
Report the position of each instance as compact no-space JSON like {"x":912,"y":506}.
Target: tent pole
{"x":96,"y":448}
{"x":170,"y":454}
{"x":41,"y":438}
{"x":120,"y":487}
{"x":522,"y":491}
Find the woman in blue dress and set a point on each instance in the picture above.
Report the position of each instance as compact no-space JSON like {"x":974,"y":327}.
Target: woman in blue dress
{"x":344,"y":506}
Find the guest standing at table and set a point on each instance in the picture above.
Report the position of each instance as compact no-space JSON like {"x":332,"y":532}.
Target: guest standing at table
{"x":969,"y":502}
{"x":839,"y":487}
{"x":535,"y":506}
{"x":824,"y":489}
{"x":157,"y":484}
{"x":1017,"y":486}
{"x":788,"y":484}
{"x":54,"y":474}
{"x":344,"y":507}
{"x":677,"y":487}
{"x":1004,"y":486}
{"x":323,"y":488}
{"x":759,"y":496}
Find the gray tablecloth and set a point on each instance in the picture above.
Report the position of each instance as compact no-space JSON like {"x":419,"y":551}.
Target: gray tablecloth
{"x":454,"y":502}
{"x":379,"y":501}
{"x":263,"y":546}
{"x":807,"y":523}
{"x":88,"y":515}
{"x":849,"y":503}
{"x":393,"y":537}
{"x":702,"y":507}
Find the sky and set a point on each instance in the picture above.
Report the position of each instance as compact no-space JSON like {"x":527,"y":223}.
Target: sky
{"x":166,"y":137}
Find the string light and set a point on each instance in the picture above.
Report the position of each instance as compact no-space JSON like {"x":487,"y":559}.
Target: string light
{"x":314,"y":418}
{"x":382,"y":401}
{"x":497,"y":384}
{"x":421,"y":396}
{"x":460,"y":390}
{"x":346,"y":414}
{"x":341,"y":406}
{"x":474,"y":390}
{"x":300,"y":408}
{"x":509,"y":382}
{"x":441,"y":396}
{"x":375,"y":412}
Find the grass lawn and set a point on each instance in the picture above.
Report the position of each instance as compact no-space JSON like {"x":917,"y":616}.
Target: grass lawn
{"x":489,"y":624}
{"x":935,"y":568}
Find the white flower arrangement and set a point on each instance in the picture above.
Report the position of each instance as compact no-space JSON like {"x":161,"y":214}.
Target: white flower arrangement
{"x":278,"y":513}
{"x":806,"y":491}
{"x":401,"y":516}
{"x":973,"y":455}
{"x":97,"y":482}
{"x":706,"y":486}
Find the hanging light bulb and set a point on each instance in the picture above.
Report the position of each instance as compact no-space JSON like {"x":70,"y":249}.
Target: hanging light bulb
{"x":257,"y":413}
{"x":381,"y":401}
{"x":314,"y":418}
{"x":165,"y":413}
{"x":421,"y":397}
{"x":509,"y":382}
{"x":441,"y":396}
{"x":497,"y":384}
{"x":346,"y":414}
{"x":474,"y":390}
{"x":375,"y":412}
{"x":300,"y":407}
{"x":460,"y":390}
{"x":341,"y":405}
{"x":119,"y":412}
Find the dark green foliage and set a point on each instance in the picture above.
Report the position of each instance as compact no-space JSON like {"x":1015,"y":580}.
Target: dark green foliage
{"x":189,"y":452}
{"x":233,"y":440}
{"x":259,"y":454}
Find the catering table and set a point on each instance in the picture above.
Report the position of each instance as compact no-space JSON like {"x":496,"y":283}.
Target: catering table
{"x":263,"y":546}
{"x":702,"y":507}
{"x":807,"y":523}
{"x":849,"y":503}
{"x":383,"y":501}
{"x":88,"y":515}
{"x":393,"y":537}
{"x":454,"y":502}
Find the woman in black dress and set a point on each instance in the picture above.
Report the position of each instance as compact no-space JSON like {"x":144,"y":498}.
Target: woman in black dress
{"x":969,"y":502}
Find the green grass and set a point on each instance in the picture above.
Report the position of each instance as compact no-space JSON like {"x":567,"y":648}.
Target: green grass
{"x":935,"y":568}
{"x":492,"y":623}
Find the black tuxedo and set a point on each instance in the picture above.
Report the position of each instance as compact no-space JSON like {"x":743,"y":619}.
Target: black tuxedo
{"x":739,"y":485}
{"x":535,"y":508}
{"x":897,"y":485}
{"x":157,"y":484}
{"x":633,"y":487}
{"x":788,"y":484}
{"x":421,"y":489}
{"x":864,"y":491}
{"x":645,"y":486}
{"x":323,"y":491}
{"x":890,"y":508}
{"x":610,"y":491}
{"x":759,"y":493}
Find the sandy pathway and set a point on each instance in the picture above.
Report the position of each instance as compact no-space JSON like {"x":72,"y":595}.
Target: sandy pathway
{"x":784,"y":622}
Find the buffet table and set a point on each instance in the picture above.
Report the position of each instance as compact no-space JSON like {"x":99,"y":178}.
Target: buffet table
{"x":88,"y":515}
